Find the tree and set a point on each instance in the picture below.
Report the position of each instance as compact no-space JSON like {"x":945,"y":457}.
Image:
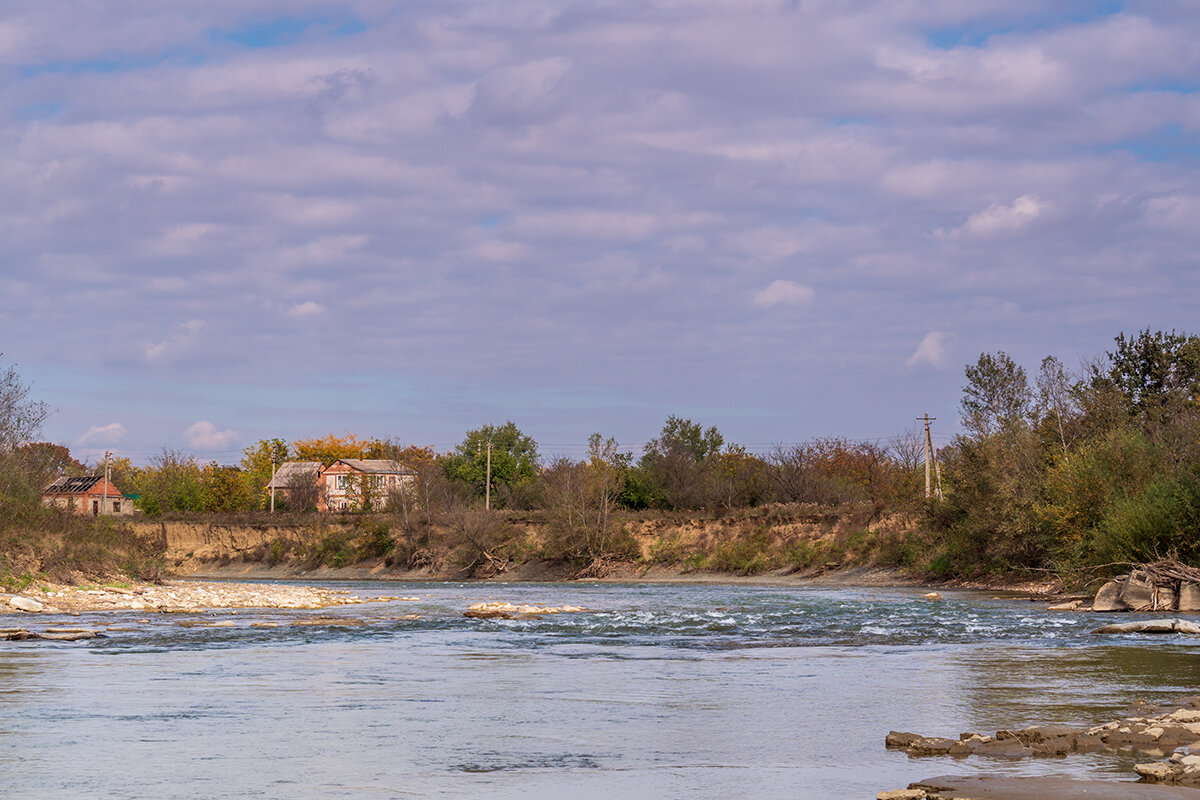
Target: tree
{"x":171,"y":482}
{"x":514,"y":457}
{"x":20,"y":417}
{"x":677,"y":461}
{"x":1055,"y":400}
{"x":1156,"y":369}
{"x":224,"y":488}
{"x":996,"y":396}
{"x":259,"y":461}
{"x":328,"y":449}
{"x":20,"y":421}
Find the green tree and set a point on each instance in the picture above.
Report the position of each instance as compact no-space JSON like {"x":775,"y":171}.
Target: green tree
{"x":225,"y":488}
{"x":678,"y":462}
{"x":997,"y":394}
{"x":514,"y":457}
{"x":258,"y":461}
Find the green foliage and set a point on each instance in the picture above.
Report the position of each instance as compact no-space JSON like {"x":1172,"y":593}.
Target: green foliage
{"x":514,"y":457}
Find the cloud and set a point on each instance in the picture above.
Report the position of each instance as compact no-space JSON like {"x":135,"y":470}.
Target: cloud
{"x":1000,"y":218}
{"x":308,"y":308}
{"x":205,"y":437}
{"x":933,"y":351}
{"x":781,"y":292}
{"x":177,"y":343}
{"x":102,"y":434}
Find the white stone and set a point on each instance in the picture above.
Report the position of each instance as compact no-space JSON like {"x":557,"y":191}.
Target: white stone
{"x":25,"y":604}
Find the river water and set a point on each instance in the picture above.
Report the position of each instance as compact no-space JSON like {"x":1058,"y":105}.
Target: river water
{"x":696,"y":691}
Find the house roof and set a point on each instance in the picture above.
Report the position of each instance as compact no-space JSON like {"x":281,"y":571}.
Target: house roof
{"x":78,"y":485}
{"x":290,"y":470}
{"x":377,"y":466}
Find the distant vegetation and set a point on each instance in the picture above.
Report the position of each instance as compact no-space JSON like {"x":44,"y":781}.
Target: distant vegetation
{"x":1067,"y":472}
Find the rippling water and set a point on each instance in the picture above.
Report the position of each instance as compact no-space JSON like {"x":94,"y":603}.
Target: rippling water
{"x":698,"y":691}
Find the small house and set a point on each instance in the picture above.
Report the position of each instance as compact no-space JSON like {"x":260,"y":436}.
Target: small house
{"x":89,"y":494}
{"x":355,"y":484}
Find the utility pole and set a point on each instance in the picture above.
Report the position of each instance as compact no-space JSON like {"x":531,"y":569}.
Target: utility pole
{"x":937,"y":472}
{"x":272,"y":486}
{"x":104,"y":505}
{"x":928,"y":454}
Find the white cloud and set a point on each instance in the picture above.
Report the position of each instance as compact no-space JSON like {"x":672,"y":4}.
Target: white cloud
{"x":102,"y":434}
{"x":178,"y":342}
{"x":306,"y":309}
{"x":781,"y":292}
{"x":204,"y":436}
{"x":1000,"y":218}
{"x":933,"y":351}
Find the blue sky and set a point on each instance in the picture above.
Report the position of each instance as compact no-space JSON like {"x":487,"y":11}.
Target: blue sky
{"x":227,"y":221}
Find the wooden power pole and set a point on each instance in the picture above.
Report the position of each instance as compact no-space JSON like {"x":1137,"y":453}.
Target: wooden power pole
{"x":928,"y":454}
{"x":272,"y":486}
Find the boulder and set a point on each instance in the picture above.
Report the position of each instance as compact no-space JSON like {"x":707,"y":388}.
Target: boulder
{"x":1151,"y":626}
{"x":1189,"y":597}
{"x":1137,"y":592}
{"x":1109,"y":598}
{"x":1165,"y":599}
{"x":25,"y":604}
{"x":931,"y":746}
{"x":896,"y":740}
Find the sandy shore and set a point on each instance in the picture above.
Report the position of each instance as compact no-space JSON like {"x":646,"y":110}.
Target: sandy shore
{"x":175,"y":596}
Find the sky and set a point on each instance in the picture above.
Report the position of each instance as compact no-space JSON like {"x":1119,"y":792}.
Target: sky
{"x":225,"y":221}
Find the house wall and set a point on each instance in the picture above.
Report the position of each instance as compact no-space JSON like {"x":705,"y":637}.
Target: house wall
{"x":340,"y":488}
{"x":82,"y":503}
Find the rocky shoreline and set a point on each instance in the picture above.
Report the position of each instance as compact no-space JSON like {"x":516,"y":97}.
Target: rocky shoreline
{"x":1168,"y":733}
{"x":175,"y":597}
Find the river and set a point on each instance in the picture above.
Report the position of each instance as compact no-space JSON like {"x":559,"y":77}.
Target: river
{"x":696,"y":691}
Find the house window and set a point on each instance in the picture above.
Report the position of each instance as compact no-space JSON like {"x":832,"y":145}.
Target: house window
{"x":96,"y":507}
{"x":341,"y":482}
{"x":116,"y":507}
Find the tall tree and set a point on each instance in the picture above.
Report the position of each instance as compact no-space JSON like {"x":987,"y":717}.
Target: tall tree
{"x":997,"y":394}
{"x":514,"y":457}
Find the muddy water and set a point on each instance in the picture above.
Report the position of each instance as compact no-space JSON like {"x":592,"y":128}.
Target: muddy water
{"x":661,"y":691}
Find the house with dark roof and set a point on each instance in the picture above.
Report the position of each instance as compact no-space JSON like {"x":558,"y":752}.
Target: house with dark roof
{"x":87,"y":494}
{"x":362,"y":484}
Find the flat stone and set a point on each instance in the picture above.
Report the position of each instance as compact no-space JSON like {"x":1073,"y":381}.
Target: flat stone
{"x":1159,"y":771}
{"x":1151,"y":626}
{"x":903,"y":794}
{"x":995,"y":787}
{"x":931,"y":746}
{"x":25,"y":604}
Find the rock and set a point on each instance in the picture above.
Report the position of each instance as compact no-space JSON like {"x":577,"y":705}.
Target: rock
{"x":1002,"y":748}
{"x":1165,"y":599}
{"x":25,"y":604}
{"x":487,"y":614}
{"x":1159,"y":771}
{"x":903,"y":794}
{"x":1071,"y":605}
{"x":1137,"y":593}
{"x":225,"y":623}
{"x":68,"y":637}
{"x":895,"y":740}
{"x":1109,"y":598}
{"x":931,"y":596}
{"x":930,"y":746}
{"x":1151,"y":626}
{"x":1189,"y":597}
